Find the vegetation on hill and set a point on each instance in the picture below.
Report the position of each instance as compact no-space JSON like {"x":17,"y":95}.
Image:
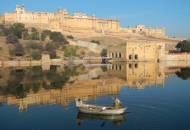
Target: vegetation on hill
{"x":96,"y":41}
{"x":70,"y":51}
{"x":48,"y":41}
{"x":17,"y":29}
{"x":30,"y":43}
{"x":70,"y":37}
{"x":183,"y":46}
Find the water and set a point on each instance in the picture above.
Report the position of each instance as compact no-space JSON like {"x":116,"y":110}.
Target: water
{"x":157,"y":97}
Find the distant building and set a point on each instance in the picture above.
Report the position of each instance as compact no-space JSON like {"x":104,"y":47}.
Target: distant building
{"x":138,"y":51}
{"x":141,"y":29}
{"x":77,"y":23}
{"x":2,"y":19}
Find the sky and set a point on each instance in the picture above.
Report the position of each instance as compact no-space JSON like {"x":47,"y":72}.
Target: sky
{"x":173,"y":15}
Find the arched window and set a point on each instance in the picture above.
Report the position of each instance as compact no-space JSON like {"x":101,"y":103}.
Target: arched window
{"x":116,"y":55}
{"x":136,"y":57}
{"x":120,"y":67}
{"x":112,"y":55}
{"x":136,"y":65}
{"x":119,"y":54}
{"x":130,"y":66}
{"x":130,"y":57}
{"x":116,"y":67}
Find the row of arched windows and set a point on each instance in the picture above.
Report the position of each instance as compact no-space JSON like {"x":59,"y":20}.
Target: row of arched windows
{"x":115,"y":67}
{"x":133,"y":57}
{"x":116,"y":55}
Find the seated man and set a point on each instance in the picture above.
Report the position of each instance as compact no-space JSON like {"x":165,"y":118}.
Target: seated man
{"x":117,"y":103}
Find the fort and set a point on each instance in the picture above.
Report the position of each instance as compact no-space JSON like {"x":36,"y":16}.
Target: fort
{"x":76,"y":23}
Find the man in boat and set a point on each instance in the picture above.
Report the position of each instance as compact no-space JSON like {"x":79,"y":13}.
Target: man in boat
{"x":117,"y":103}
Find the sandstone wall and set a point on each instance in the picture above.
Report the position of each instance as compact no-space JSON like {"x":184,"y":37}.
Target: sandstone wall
{"x":61,"y":21}
{"x":178,"y":57}
{"x":2,"y":19}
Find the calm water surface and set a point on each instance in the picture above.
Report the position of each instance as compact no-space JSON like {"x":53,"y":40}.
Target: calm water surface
{"x":37,"y":98}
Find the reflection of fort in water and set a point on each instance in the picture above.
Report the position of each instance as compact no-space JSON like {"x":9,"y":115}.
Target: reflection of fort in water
{"x":55,"y":87}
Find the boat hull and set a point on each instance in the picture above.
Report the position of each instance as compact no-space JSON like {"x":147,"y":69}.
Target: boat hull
{"x":102,"y":112}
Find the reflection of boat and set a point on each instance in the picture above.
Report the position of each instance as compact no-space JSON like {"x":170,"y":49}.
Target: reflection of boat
{"x":116,"y":119}
{"x":99,"y":110}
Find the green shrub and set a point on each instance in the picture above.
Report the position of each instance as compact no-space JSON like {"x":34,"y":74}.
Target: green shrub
{"x":17,"y":29}
{"x":4,"y":30}
{"x":25,"y":35}
{"x":35,"y":35}
{"x":70,"y":51}
{"x":34,"y":46}
{"x":95,"y":41}
{"x":50,"y":47}
{"x":104,"y":53}
{"x":36,"y":55}
{"x":18,"y":50}
{"x":45,"y":34}
{"x":1,"y":33}
{"x":184,"y":46}
{"x":11,"y":39}
{"x":57,"y":37}
{"x":70,"y":37}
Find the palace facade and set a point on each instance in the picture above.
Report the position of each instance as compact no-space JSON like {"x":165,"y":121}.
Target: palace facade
{"x":138,"y":51}
{"x":62,"y":21}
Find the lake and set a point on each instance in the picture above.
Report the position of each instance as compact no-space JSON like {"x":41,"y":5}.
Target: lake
{"x":35,"y":98}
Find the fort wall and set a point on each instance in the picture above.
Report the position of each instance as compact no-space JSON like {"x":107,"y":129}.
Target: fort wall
{"x":2,"y":18}
{"x":75,"y":23}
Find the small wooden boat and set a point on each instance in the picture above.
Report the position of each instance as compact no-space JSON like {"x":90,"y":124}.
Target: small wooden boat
{"x":84,"y":116}
{"x":99,"y":110}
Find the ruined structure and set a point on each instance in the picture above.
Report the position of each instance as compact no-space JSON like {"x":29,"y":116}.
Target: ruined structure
{"x":76,"y":23}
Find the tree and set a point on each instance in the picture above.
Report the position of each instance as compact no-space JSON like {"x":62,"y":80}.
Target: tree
{"x":70,"y":37}
{"x":4,"y":30}
{"x":58,"y":37}
{"x":184,"y":46}
{"x":17,"y":29}
{"x":35,"y":35}
{"x":95,"y":41}
{"x":104,"y":53}
{"x":25,"y":35}
{"x":35,"y":46}
{"x":12,"y":39}
{"x":18,"y":50}
{"x":51,"y":48}
{"x":36,"y":55}
{"x":45,"y":34}
{"x":70,"y":51}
